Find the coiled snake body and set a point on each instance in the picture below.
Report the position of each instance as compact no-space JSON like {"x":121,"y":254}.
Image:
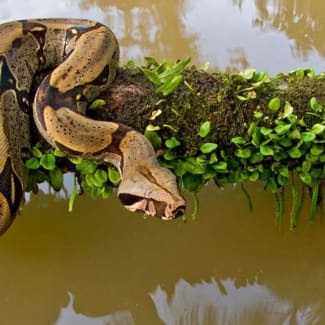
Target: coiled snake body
{"x":82,"y":56}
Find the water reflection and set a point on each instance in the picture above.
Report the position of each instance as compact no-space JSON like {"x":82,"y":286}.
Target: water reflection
{"x":22,"y":9}
{"x":221,"y":302}
{"x":301,"y":21}
{"x":239,"y":41}
{"x":177,"y":29}
{"x":68,"y":315}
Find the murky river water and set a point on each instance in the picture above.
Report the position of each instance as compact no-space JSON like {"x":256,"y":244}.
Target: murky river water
{"x":103,"y":265}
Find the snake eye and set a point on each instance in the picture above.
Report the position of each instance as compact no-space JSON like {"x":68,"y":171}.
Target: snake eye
{"x":179,"y":211}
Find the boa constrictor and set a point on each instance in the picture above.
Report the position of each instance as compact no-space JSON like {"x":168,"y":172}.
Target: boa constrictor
{"x":82,"y":57}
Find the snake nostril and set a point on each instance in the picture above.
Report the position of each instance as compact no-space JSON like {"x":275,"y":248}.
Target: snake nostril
{"x":178,"y":212}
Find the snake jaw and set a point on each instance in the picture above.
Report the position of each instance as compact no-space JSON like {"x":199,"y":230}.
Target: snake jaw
{"x":152,"y":191}
{"x":151,"y":207}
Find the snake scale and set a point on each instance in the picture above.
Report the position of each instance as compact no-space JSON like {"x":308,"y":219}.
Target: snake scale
{"x":81,"y":57}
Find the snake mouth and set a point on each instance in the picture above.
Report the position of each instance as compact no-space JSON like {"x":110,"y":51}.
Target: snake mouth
{"x":151,"y":207}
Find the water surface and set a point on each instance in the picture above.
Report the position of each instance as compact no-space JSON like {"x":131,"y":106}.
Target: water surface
{"x":104,"y":265}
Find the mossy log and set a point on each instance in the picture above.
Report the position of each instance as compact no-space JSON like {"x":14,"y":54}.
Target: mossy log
{"x":214,"y":97}
{"x":229,"y":127}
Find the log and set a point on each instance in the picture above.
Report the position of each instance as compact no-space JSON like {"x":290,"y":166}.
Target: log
{"x":229,"y":127}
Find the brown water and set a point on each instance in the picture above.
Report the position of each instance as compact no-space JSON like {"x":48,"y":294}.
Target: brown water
{"x":103,"y":265}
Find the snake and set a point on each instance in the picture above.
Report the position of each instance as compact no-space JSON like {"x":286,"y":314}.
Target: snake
{"x":79,"y":59}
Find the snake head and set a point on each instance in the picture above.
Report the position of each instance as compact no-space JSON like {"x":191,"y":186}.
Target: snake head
{"x":153,"y":191}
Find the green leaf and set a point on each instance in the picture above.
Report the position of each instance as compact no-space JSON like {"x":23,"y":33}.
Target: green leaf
{"x":193,"y":166}
{"x":282,"y":129}
{"x":315,"y":106}
{"x":169,"y":154}
{"x":318,"y":128}
{"x":266,"y":150}
{"x":285,"y":142}
{"x":95,"y":192}
{"x":316,"y":149}
{"x":213,"y":158}
{"x":56,"y":179}
{"x":208,"y":147}
{"x":153,"y":76}
{"x":253,"y":177}
{"x":284,"y":171}
{"x":287,"y":110}
{"x":154,"y":138}
{"x":258,"y":115}
{"x":257,"y":157}
{"x":280,"y":155}
{"x":174,"y":71}
{"x":113,"y":175}
{"x":204,"y":129}
{"x":238,"y":140}
{"x":172,"y":143}
{"x":306,"y":165}
{"x":107,"y":191}
{"x":36,"y":152}
{"x":47,"y":161}
{"x":251,"y":128}
{"x":243,"y":153}
{"x":295,"y":153}
{"x":151,"y":61}
{"x":271,"y":185}
{"x":209,"y":173}
{"x":93,"y":181}
{"x":274,"y":104}
{"x":32,"y":163}
{"x":86,"y":166}
{"x":248,"y":73}
{"x":180,"y":168}
{"x":307,"y":136}
{"x":295,"y":135}
{"x":75,"y":160}
{"x":169,"y":86}
{"x":265,"y":131}
{"x":152,"y":128}
{"x":191,"y":182}
{"x":315,"y":173}
{"x":220,"y":166}
{"x":282,"y":180}
{"x":97,"y":104}
{"x":101,"y":176}
{"x":59,"y":153}
{"x":305,"y":177}
{"x":300,"y":73}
